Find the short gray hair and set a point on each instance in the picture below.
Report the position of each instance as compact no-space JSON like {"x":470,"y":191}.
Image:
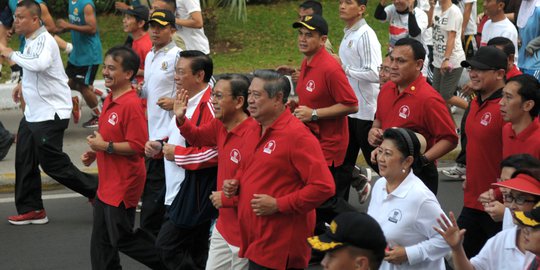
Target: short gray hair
{"x":274,"y":83}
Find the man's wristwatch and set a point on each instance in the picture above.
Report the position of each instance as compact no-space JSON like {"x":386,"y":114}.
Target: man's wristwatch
{"x":110,"y":148}
{"x":314,"y":115}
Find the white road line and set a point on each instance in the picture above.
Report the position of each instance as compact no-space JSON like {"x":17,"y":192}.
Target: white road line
{"x":46,"y":197}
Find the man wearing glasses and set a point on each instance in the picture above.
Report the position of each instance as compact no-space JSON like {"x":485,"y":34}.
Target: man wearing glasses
{"x":484,"y":146}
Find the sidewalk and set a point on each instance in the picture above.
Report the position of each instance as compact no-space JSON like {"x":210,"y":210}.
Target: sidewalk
{"x":75,"y":141}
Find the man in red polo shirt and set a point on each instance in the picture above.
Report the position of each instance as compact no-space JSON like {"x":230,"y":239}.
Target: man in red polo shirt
{"x":325,"y":98}
{"x":408,"y":101}
{"x":227,"y":131}
{"x":484,"y":144}
{"x":520,"y":105}
{"x":283,"y":179}
{"x":118,"y":146}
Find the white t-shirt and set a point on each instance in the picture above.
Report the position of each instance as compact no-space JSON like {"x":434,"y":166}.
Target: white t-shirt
{"x":159,"y":82}
{"x":500,"y":252}
{"x":194,"y":38}
{"x":428,"y":34}
{"x":407,"y":216}
{"x":360,"y":53}
{"x":504,"y":28}
{"x":443,"y":23}
{"x":399,"y":24}
{"x":471,"y":28}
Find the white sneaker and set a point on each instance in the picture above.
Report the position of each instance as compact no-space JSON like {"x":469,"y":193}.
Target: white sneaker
{"x":456,"y":172}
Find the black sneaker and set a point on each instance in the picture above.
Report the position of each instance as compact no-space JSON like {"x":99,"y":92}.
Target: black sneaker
{"x":92,"y":123}
{"x":5,"y":146}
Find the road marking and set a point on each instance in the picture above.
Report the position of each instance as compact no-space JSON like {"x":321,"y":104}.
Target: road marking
{"x":46,"y":197}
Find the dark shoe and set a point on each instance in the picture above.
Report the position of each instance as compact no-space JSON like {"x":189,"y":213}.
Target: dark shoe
{"x":92,"y":123}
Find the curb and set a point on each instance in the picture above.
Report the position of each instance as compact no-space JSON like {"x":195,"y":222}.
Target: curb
{"x":7,"y":181}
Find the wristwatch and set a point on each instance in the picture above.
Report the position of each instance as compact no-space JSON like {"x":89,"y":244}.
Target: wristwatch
{"x":110,"y":148}
{"x":314,"y":115}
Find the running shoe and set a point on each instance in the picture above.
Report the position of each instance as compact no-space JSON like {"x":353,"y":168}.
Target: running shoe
{"x":32,"y":217}
{"x":92,"y":123}
{"x":361,"y":182}
{"x":456,"y":172}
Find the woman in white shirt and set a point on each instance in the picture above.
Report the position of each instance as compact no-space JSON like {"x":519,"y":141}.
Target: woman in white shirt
{"x":446,"y":19}
{"x":404,"y":206}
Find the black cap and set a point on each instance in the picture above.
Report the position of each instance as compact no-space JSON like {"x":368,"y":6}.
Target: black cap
{"x":141,"y":12}
{"x":487,"y":58}
{"x":314,"y":23}
{"x":163,"y":17}
{"x":351,"y":229}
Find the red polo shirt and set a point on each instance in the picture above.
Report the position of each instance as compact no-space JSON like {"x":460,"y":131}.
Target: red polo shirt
{"x":287,"y":164}
{"x":526,"y":142}
{"x":141,"y":47}
{"x":121,"y":178}
{"x":484,"y":126}
{"x":322,"y":83}
{"x":419,"y":108}
{"x":231,"y":152}
{"x":513,"y":72}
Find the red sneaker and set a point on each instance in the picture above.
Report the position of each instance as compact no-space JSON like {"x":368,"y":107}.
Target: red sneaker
{"x":32,"y":217}
{"x":76,"y":111}
{"x":92,"y":123}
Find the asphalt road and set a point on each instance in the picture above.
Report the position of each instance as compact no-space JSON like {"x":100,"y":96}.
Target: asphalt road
{"x":64,"y":243}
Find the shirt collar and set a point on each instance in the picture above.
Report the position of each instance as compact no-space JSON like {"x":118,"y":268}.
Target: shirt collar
{"x":246,"y":125}
{"x":202,"y":96}
{"x":527,"y":132}
{"x":282,"y":120}
{"x":38,"y":32}
{"x":317,"y":57}
{"x":403,"y":189}
{"x":123,"y":98}
{"x":413,"y":88}
{"x":510,"y":239}
{"x":355,"y":26}
{"x":497,"y":94}
{"x":166,"y":48}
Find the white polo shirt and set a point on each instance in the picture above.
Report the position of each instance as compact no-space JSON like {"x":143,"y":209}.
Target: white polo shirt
{"x":360,"y":54}
{"x":407,"y":217}
{"x":500,"y":252}
{"x":44,"y":84}
{"x":159,"y":82}
{"x":194,"y":38}
{"x":508,"y":220}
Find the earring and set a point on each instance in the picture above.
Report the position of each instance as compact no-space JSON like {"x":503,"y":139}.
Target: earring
{"x":403,"y":170}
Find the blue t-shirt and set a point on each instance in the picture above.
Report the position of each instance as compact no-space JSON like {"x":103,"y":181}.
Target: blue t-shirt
{"x":87,"y":48}
{"x":528,"y":33}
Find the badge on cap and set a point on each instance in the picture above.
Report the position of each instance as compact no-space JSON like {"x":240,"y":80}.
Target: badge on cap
{"x":333,"y":227}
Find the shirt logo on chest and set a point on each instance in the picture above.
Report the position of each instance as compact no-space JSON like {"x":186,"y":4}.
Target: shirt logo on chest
{"x":310,"y":85}
{"x":269,"y":147}
{"x":394,"y":216}
{"x":164,"y":65}
{"x":404,"y":112}
{"x":113,"y":118}
{"x":235,"y":156}
{"x":350,"y":44}
{"x":486,"y":119}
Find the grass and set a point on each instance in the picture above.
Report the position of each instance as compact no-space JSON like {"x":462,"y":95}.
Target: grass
{"x":266,"y":40}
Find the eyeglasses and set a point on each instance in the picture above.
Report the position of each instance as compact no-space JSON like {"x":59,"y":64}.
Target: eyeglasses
{"x":383,"y":68}
{"x":508,"y":198}
{"x":218,"y":96}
